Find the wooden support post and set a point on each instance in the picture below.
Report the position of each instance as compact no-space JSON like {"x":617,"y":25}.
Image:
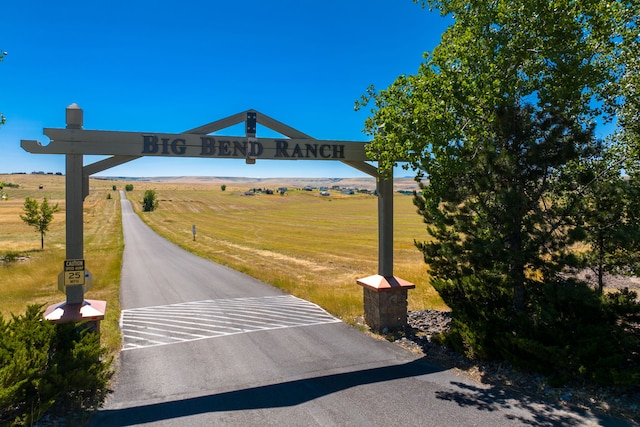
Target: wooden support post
{"x":385,"y":296}
{"x":75,"y":193}
{"x":76,"y":308}
{"x":385,"y":226}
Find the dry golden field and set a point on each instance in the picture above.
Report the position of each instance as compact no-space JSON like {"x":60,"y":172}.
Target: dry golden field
{"x":312,"y":246}
{"x":33,"y":280}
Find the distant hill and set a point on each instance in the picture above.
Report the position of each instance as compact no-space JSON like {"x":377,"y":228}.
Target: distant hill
{"x":404,"y":183}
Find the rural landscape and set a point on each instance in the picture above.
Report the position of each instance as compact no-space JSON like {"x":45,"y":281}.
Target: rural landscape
{"x":296,"y":241}
{"x":505,"y":292}
{"x":310,"y":245}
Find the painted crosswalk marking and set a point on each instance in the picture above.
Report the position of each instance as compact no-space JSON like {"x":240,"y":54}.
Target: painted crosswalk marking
{"x":190,"y":321}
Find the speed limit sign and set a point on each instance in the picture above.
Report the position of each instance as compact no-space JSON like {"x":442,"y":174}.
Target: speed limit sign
{"x":74,"y":272}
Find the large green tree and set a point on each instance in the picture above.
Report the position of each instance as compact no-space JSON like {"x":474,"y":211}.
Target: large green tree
{"x":502,"y":216}
{"x":500,"y":122}
{"x":563,"y":54}
{"x":500,"y":67}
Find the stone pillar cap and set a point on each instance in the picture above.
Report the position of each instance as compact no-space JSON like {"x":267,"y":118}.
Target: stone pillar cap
{"x":385,"y":283}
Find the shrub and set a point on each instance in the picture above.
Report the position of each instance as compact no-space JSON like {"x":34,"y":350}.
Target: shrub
{"x":128,"y":187}
{"x":573,"y":332}
{"x":479,"y":314}
{"x":149,"y":202}
{"x":568,"y":331}
{"x":46,"y":367}
{"x":11,"y":256}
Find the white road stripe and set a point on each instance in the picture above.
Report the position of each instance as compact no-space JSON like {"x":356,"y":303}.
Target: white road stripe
{"x":215,"y":318}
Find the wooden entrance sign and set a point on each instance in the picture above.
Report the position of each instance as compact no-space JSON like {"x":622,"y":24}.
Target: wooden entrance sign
{"x":75,"y":142}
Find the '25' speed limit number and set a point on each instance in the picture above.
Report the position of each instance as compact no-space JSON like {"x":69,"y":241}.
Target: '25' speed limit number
{"x":74,"y":278}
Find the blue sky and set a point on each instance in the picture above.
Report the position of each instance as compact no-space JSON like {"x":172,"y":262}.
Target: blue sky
{"x":155,"y":66}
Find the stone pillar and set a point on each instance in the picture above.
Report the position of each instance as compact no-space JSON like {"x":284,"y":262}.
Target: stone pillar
{"x":385,"y":302}
{"x":385,"y":310}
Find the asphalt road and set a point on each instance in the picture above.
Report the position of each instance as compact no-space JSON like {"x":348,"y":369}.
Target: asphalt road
{"x":205,"y":345}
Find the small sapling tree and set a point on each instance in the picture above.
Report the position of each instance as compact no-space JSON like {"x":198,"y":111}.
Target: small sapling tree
{"x":39,"y":216}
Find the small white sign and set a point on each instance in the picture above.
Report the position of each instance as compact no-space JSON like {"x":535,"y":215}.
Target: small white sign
{"x":74,"y":272}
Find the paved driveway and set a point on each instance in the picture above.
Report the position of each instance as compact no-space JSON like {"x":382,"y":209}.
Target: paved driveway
{"x":206,"y":345}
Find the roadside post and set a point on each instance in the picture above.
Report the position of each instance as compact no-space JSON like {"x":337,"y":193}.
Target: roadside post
{"x":75,"y":279}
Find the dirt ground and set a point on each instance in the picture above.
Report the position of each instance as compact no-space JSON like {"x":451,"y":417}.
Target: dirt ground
{"x":611,"y":281}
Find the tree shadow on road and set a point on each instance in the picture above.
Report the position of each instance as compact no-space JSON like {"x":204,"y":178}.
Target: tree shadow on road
{"x":297,"y":392}
{"x":534,"y":412}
